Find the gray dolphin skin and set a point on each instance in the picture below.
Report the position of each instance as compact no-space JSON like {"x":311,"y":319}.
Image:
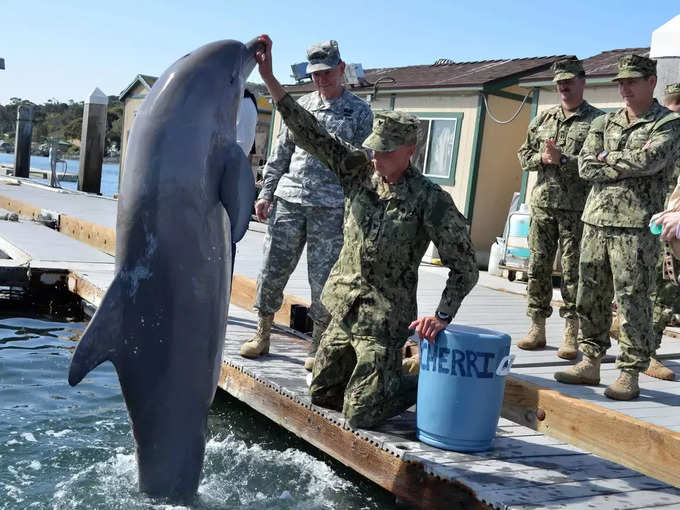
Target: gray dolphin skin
{"x":186,"y":194}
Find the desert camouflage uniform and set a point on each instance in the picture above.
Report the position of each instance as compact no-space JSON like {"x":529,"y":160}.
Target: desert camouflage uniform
{"x":556,"y":204}
{"x":618,"y":252}
{"x":666,"y":296}
{"x":308,"y":204}
{"x":371,"y":291}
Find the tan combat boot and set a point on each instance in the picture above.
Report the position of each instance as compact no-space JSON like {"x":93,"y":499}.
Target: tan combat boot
{"x":615,"y":328}
{"x":535,"y":338}
{"x":259,"y":344}
{"x":569,"y":347}
{"x":659,"y":370}
{"x":625,"y":387}
{"x":410,"y":362}
{"x":317,"y":331}
{"x":586,"y":371}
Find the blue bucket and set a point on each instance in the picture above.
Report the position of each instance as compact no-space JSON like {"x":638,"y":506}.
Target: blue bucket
{"x":460,"y":387}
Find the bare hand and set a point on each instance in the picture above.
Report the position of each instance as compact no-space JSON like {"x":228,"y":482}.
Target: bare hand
{"x":552,"y":153}
{"x":428,"y":327}
{"x":264,"y":58}
{"x":263,"y":208}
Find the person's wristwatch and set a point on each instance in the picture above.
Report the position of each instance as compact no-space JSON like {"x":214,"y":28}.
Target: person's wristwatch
{"x":563,"y":159}
{"x":443,"y":316}
{"x":602,"y":156}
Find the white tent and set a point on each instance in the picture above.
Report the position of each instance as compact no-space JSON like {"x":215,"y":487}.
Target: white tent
{"x":665,"y":48}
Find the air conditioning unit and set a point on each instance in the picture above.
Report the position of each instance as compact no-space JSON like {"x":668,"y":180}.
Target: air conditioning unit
{"x":300,"y":71}
{"x":354,"y":74}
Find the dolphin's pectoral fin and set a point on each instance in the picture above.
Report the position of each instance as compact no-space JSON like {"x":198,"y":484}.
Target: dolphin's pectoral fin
{"x":237,"y":191}
{"x":100,"y":339}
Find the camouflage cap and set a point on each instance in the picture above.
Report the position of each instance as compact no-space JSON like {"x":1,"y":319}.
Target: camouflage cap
{"x":392,"y":130}
{"x":322,"y":56}
{"x":635,"y":66}
{"x":567,"y":68}
{"x":672,"y":89}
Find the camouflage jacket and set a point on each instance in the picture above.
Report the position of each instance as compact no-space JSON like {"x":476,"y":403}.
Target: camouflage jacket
{"x":294,"y":174}
{"x":632,"y":184}
{"x":558,"y":186}
{"x":387,"y":230}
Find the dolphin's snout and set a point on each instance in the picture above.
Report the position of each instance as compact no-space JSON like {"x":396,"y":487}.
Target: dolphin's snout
{"x":252,"y":47}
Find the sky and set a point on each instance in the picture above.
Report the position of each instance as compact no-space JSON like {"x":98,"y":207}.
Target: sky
{"x":64,"y":49}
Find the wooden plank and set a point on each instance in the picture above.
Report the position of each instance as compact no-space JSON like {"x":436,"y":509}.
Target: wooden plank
{"x":99,"y":237}
{"x":19,"y":207}
{"x":545,"y":494}
{"x":647,"y":448}
{"x":407,"y":480}
{"x":243,"y":290}
{"x":80,"y":285}
{"x":664,"y":499}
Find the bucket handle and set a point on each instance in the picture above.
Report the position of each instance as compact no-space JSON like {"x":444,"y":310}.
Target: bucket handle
{"x":505,"y":365}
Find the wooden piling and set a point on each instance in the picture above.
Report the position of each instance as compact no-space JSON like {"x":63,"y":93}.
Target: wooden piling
{"x":24,"y":133}
{"x":93,"y":142}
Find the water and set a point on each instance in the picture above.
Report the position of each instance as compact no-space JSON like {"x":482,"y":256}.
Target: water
{"x":68,"y":448}
{"x":109,"y":184}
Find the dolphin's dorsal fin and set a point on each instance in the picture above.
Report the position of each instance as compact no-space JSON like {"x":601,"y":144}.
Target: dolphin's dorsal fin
{"x":237,"y":190}
{"x":102,"y":335}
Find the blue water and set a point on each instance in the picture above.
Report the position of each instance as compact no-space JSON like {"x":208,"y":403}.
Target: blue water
{"x":71,"y":448}
{"x":109,"y":184}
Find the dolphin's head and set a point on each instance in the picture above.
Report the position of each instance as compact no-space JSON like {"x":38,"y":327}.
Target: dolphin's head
{"x":209,"y":81}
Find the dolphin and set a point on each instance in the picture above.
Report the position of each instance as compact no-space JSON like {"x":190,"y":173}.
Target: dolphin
{"x":187,"y":193}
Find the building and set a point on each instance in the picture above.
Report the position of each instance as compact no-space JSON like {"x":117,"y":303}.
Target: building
{"x":461,"y":144}
{"x":133,"y":96}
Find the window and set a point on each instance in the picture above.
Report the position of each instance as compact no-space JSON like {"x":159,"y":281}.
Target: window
{"x":437,"y":146}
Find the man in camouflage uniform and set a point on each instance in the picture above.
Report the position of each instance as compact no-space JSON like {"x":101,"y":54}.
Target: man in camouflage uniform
{"x":305,"y":200}
{"x":392,"y":212}
{"x":666,"y":297}
{"x":628,"y":158}
{"x":551,"y":148}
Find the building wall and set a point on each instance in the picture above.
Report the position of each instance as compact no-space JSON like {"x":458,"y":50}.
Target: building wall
{"x":449,"y":103}
{"x":499,"y":174}
{"x":603,"y":96}
{"x":133,"y":102}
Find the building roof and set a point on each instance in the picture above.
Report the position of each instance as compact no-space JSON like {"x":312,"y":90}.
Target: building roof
{"x":145,"y":79}
{"x":602,"y":66}
{"x":446,"y":74}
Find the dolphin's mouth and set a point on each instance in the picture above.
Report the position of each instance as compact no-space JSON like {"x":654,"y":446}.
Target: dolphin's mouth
{"x":252,"y":47}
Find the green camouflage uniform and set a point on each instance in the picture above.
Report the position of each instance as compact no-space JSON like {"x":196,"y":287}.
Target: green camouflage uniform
{"x":557,"y":201}
{"x":666,"y":297}
{"x":371,"y":291}
{"x":618,"y":252}
{"x":308,"y":204}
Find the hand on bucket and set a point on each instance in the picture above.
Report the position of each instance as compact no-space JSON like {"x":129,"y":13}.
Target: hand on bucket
{"x":428,"y":327}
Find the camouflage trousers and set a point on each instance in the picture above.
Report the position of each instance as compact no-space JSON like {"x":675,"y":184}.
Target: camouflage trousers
{"x":290,"y":227}
{"x":358,"y":370}
{"x":619,"y":262}
{"x":550,"y":227}
{"x":665,"y":301}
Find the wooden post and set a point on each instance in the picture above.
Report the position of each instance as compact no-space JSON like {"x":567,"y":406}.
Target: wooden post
{"x":22,"y":148}
{"x":92,"y":142}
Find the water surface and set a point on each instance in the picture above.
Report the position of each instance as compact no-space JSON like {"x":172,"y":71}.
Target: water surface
{"x":68,"y":448}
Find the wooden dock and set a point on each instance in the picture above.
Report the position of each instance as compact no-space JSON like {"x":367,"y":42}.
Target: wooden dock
{"x":543,"y":454}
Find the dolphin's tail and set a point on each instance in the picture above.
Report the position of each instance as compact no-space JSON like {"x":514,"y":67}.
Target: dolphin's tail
{"x":100,"y":339}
